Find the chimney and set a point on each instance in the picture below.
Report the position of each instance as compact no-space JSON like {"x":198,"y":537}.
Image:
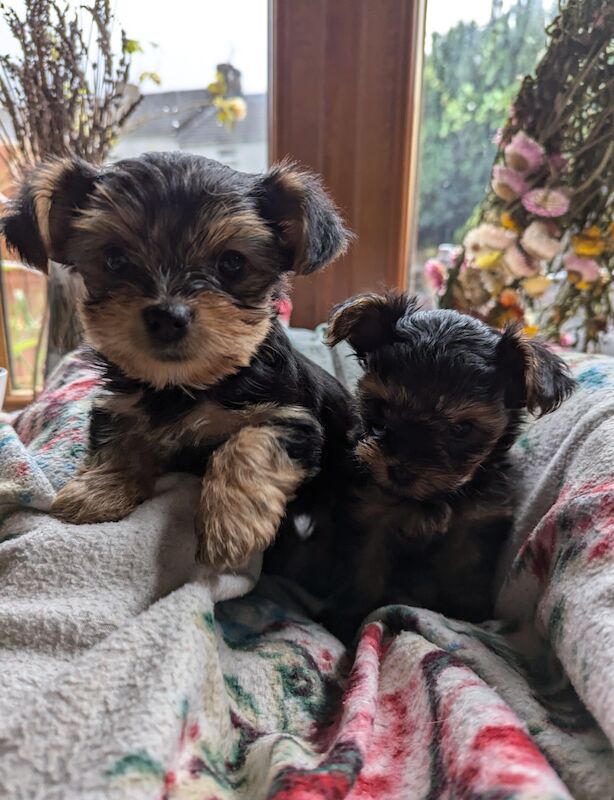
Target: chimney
{"x":232,"y":77}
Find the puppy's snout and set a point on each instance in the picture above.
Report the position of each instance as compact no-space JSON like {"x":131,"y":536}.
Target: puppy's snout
{"x":167,"y":322}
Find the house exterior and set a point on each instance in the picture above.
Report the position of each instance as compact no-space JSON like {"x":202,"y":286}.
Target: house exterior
{"x":185,"y":120}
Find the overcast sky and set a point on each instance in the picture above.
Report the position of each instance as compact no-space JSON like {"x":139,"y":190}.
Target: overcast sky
{"x":192,"y":36}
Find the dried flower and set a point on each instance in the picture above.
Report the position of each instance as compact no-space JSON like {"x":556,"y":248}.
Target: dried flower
{"x":587,"y":247}
{"x":473,"y":289}
{"x":538,"y":242}
{"x":512,"y":314}
{"x":523,"y":153}
{"x":589,"y":242}
{"x":230,"y":110}
{"x":558,"y":163}
{"x":436,"y":274}
{"x":536,"y":286}
{"x":519,"y":264}
{"x":530,"y":330}
{"x":509,"y":222}
{"x":494,"y":281}
{"x":283,"y":307}
{"x":487,"y":237}
{"x":551,"y":198}
{"x":488,"y":259}
{"x":507,"y":183}
{"x":509,"y":298}
{"x":586,"y":268}
{"x":546,"y":202}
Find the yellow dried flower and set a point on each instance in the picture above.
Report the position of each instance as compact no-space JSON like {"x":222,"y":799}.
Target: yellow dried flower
{"x":508,"y":222}
{"x":586,"y":244}
{"x":488,"y":260}
{"x":536,"y":285}
{"x":593,"y":232}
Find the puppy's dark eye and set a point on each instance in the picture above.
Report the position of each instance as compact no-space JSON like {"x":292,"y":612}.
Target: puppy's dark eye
{"x":377,"y":431}
{"x":231,"y":264}
{"x":461,"y":429}
{"x":115,"y":259}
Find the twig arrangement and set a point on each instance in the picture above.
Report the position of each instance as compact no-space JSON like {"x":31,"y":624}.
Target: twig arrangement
{"x":66,"y":90}
{"x":542,"y":252}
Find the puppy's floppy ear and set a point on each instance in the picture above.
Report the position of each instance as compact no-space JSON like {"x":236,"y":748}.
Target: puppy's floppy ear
{"x":368,"y":321}
{"x":533,"y":375}
{"x":38,"y":220}
{"x":304,"y":217}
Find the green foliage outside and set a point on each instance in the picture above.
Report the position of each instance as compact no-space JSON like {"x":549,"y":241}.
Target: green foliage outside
{"x":471,"y":77}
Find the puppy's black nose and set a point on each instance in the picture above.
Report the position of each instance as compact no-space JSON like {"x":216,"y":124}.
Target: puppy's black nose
{"x":167,"y":322}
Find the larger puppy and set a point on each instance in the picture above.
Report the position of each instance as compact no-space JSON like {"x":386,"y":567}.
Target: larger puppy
{"x":181,"y":258}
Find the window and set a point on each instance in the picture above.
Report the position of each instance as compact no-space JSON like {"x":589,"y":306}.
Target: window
{"x":23,"y":293}
{"x":202,"y":72}
{"x":228,"y":39}
{"x":475,"y":52}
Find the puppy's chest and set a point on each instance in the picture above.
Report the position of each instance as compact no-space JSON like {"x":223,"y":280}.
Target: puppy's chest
{"x":173,"y":427}
{"x":424,"y":556}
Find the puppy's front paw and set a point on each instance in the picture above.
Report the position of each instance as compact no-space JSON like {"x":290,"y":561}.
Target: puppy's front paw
{"x":234,"y":524}
{"x":248,"y":482}
{"x":95,"y":497}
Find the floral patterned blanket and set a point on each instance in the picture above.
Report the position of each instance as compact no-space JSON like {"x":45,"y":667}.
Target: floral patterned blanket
{"x":128,"y":672}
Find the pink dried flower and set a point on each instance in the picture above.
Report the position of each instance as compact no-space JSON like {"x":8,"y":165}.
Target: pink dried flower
{"x":435,"y":273}
{"x":587,"y":268}
{"x":538,"y":242}
{"x":558,"y":162}
{"x":507,"y":183}
{"x":567,"y":340}
{"x":488,"y":237}
{"x":519,"y":264}
{"x":524,"y":154}
{"x":546,"y":202}
{"x":283,"y":307}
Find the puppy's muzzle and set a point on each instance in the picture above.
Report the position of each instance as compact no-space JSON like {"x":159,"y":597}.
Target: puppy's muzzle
{"x":167,"y":323}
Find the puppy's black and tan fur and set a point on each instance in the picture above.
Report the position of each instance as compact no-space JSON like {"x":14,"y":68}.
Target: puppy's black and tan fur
{"x":180,"y":259}
{"x":441,"y":401}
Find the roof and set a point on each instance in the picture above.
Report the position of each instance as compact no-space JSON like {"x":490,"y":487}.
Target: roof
{"x":188,"y":117}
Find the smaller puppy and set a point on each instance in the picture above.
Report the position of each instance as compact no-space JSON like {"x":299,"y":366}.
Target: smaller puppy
{"x":441,"y":403}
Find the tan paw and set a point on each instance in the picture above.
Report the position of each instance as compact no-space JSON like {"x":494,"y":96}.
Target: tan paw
{"x":248,"y":483}
{"x":232,"y":525}
{"x":96,"y":497}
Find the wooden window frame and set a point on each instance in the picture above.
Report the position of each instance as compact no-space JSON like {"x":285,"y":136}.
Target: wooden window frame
{"x":14,"y":399}
{"x":353,"y":65}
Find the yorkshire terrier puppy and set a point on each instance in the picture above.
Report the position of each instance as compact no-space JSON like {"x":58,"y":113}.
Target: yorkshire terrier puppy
{"x":441,"y":402}
{"x":181,"y":259}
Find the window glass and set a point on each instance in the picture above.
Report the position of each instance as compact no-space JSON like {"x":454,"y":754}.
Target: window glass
{"x":204,"y":83}
{"x":475,"y":54}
